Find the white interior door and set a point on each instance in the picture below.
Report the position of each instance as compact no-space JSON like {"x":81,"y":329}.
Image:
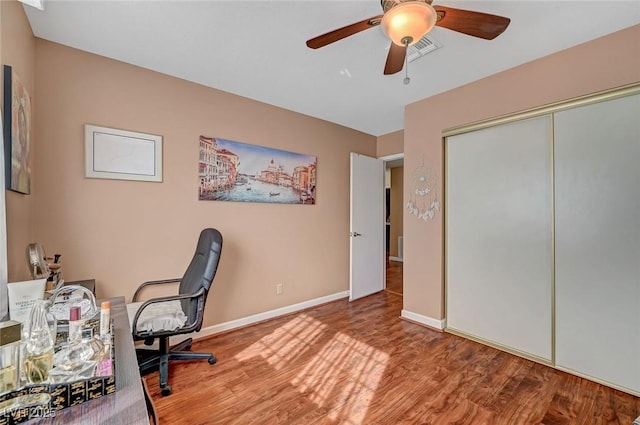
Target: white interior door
{"x":366,"y":226}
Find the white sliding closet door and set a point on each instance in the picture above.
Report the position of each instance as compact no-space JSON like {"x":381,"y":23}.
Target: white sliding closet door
{"x":597,"y":157}
{"x":498,"y":235}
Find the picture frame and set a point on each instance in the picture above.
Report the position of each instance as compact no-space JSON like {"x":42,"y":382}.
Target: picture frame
{"x":17,"y":133}
{"x":122,"y":155}
{"x":241,"y":172}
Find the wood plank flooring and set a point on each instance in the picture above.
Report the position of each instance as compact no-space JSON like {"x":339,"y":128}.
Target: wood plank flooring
{"x":394,"y":277}
{"x":358,"y":363}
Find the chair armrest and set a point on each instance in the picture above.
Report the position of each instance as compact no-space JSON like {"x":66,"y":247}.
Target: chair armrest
{"x":179,"y":297}
{"x":152,"y":282}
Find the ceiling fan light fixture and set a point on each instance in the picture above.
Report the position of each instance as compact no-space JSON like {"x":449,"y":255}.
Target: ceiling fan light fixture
{"x":406,"y":23}
{"x":38,"y":4}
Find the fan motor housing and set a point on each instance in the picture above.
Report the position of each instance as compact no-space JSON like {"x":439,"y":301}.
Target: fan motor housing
{"x":390,"y":4}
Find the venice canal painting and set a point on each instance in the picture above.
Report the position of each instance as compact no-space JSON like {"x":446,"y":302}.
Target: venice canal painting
{"x":234,"y":171}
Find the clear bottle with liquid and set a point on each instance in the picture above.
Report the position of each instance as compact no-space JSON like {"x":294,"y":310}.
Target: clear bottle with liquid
{"x":10,"y":337}
{"x":38,"y":353}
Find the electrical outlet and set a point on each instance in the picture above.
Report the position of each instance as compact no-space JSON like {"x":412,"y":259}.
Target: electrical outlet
{"x":279,"y":289}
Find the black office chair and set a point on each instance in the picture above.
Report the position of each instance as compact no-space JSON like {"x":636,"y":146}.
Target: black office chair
{"x":192,"y":295}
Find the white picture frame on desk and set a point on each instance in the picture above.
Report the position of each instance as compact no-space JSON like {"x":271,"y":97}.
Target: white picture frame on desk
{"x":122,"y":155}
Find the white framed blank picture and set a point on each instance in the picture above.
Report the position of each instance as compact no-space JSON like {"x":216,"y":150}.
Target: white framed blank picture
{"x":123,"y":155}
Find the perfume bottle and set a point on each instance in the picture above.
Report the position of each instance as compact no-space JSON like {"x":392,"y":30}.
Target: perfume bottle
{"x":10,"y":336}
{"x":75,"y":324}
{"x":96,"y":348}
{"x":87,"y":349}
{"x":38,"y":355}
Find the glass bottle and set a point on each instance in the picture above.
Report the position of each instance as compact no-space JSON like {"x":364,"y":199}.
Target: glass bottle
{"x":75,"y":325}
{"x":38,"y":354}
{"x":88,"y":348}
{"x":9,"y":354}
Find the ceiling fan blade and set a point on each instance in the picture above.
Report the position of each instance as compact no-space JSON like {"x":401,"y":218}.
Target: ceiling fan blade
{"x":395,"y":59}
{"x":476,"y":24}
{"x":344,"y":32}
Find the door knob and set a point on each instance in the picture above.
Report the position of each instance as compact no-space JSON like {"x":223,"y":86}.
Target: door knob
{"x":354,"y":234}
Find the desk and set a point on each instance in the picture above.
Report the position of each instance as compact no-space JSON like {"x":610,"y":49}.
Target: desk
{"x":126,"y":405}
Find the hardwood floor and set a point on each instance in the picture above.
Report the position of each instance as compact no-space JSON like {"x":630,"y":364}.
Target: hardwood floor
{"x":358,"y":363}
{"x":394,"y":277}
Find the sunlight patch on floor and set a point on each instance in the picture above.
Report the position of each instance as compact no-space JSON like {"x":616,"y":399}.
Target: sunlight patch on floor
{"x":343,"y":376}
{"x":285,"y":343}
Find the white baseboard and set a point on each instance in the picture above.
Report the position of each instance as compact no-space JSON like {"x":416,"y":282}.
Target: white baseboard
{"x":398,"y":259}
{"x":249,"y":320}
{"x":438,"y":324}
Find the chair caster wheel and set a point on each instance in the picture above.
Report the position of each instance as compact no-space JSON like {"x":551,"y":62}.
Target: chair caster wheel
{"x":165,"y":391}
{"x":212,"y":360}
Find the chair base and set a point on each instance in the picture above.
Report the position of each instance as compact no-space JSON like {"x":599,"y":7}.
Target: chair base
{"x":152,"y":360}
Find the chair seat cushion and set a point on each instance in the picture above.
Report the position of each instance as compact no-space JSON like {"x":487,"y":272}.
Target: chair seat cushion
{"x":162,"y":316}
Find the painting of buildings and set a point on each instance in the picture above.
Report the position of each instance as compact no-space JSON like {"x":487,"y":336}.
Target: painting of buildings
{"x":241,"y":172}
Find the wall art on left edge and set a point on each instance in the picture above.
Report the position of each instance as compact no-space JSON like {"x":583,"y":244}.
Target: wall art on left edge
{"x":17,"y":133}
{"x":234,"y":171}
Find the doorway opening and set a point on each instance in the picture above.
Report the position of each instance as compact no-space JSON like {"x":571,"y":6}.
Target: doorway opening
{"x":394,"y":205}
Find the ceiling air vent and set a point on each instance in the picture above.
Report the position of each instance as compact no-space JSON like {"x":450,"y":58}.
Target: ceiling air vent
{"x":422,"y":47}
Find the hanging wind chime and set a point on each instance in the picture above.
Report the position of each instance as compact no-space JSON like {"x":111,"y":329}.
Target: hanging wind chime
{"x":423,"y":196}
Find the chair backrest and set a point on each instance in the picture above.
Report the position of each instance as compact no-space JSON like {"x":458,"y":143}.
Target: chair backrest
{"x":201,"y":272}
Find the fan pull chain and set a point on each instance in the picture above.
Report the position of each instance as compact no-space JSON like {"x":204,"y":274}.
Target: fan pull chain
{"x":406,"y":80}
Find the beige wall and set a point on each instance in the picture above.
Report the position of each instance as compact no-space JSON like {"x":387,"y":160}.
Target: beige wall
{"x":396,"y":210}
{"x":18,"y":51}
{"x":604,"y":63}
{"x":123,"y":232}
{"x":389,"y":144}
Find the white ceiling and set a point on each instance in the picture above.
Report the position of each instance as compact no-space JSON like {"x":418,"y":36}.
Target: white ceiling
{"x":257,"y":49}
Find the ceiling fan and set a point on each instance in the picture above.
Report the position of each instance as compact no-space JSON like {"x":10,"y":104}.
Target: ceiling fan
{"x":405,"y":22}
